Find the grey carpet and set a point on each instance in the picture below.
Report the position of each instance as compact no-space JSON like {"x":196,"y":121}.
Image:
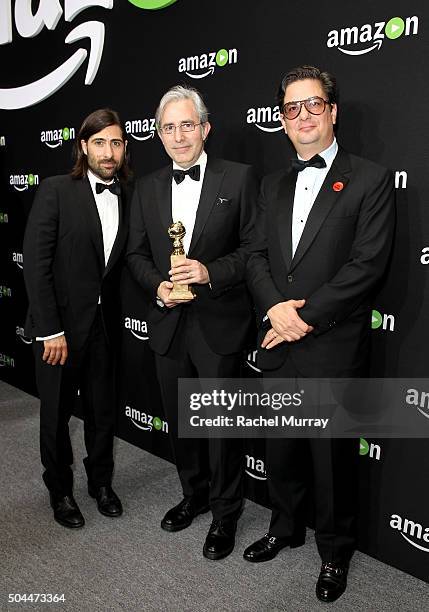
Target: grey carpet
{"x":131,"y":564}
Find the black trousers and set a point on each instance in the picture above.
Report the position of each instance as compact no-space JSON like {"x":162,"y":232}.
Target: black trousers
{"x":294,"y":466}
{"x":90,"y":370}
{"x":210,"y":470}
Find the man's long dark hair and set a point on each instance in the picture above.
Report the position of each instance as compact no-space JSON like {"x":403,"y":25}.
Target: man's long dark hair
{"x":95,"y":122}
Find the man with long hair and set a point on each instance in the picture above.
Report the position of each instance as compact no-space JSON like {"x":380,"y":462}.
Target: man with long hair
{"x":73,"y":244}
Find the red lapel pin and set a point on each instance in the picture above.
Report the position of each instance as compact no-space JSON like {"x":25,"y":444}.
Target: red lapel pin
{"x":338,"y":186}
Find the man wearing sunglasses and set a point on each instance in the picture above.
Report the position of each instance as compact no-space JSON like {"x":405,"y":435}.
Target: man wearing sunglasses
{"x":323,"y":237}
{"x":201,"y":337}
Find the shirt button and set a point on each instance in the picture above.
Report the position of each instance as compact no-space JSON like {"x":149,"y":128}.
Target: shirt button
{"x":289,"y":278}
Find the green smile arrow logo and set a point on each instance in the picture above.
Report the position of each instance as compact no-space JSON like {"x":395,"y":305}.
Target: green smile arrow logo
{"x":152,"y":5}
{"x":364,"y":447}
{"x":394,"y":28}
{"x":157,"y":423}
{"x":221,"y":57}
{"x":376,"y":319}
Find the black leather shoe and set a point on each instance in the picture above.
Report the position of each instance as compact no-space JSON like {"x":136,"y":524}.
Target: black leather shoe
{"x":108,"y":503}
{"x":269,"y":546}
{"x":220,"y":539}
{"x":332,"y":582}
{"x":182,"y":515}
{"x":66,"y":511}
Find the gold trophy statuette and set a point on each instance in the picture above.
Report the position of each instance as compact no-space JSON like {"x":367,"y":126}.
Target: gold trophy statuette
{"x":177,"y":231}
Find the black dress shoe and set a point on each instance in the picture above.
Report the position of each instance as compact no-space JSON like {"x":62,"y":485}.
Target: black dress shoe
{"x":269,"y":546}
{"x":66,"y":511}
{"x":332,"y":582}
{"x":108,"y":503}
{"x":220,"y":539}
{"x":182,"y":515}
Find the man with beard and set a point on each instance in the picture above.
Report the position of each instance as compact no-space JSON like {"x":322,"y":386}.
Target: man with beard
{"x":73,"y":243}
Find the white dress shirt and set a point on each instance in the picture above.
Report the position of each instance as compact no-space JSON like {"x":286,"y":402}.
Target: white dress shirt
{"x":185,"y":198}
{"x":308,"y":184}
{"x":108,"y":211}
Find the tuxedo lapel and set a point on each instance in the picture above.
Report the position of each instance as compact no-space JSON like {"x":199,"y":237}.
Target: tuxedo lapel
{"x":283,"y":214}
{"x":163,"y":195}
{"x":86,"y":202}
{"x":213,"y":177}
{"x":326,"y":199}
{"x":121,"y":233}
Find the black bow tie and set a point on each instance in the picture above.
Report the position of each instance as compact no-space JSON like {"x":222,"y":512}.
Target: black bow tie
{"x":315,"y":162}
{"x":179,"y":175}
{"x":114,"y":188}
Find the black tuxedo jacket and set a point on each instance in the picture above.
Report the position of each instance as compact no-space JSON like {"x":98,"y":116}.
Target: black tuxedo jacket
{"x":220,"y":240}
{"x":64,"y":268}
{"x":341,"y":256}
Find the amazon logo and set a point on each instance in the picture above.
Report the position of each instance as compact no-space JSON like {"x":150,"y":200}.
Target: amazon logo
{"x":55,"y":138}
{"x":251,"y":361}
{"x":369,"y":37}
{"x":22,"y":182}
{"x":5,"y":291}
{"x":18,"y":259}
{"x":265,"y":118}
{"x":137,"y":328}
{"x":144,"y":421}
{"x":21,"y":335}
{"x":255,"y":468}
{"x":414,"y":533}
{"x":48,"y":16}
{"x":203,"y":65}
{"x":6,"y":361}
{"x":141,"y":129}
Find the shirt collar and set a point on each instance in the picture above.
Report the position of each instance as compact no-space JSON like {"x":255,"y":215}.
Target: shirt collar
{"x":201,"y":161}
{"x":328,"y":154}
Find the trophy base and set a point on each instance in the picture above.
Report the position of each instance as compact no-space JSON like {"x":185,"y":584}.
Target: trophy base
{"x":181,"y":294}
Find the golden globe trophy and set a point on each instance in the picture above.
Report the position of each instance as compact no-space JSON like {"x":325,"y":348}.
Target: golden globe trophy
{"x":177,"y":232}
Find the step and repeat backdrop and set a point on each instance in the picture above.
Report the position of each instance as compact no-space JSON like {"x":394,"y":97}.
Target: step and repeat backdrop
{"x":62,"y":59}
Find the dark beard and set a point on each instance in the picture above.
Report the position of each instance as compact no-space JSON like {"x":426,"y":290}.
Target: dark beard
{"x":103,"y":173}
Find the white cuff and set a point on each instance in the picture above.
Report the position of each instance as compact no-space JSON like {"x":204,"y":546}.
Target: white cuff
{"x":51,"y":337}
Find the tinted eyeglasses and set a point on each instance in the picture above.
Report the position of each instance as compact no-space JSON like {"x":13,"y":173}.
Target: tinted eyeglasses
{"x":314,"y":105}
